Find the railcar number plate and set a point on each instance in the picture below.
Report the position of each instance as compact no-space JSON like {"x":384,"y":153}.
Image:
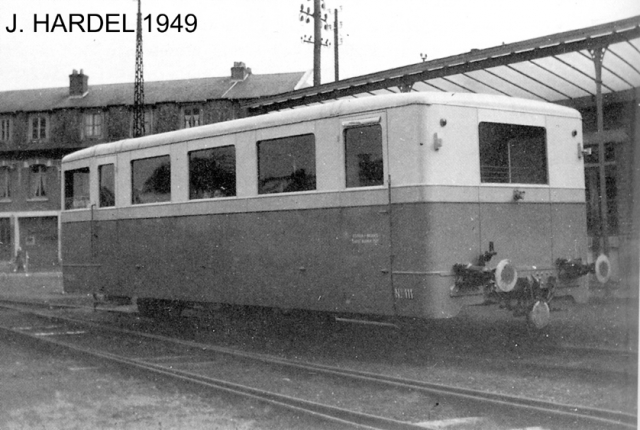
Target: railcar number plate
{"x":404,"y":293}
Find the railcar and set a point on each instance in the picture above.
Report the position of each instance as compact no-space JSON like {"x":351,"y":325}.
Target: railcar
{"x":407,"y":205}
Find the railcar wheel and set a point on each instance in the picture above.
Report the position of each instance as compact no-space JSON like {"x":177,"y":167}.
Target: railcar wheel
{"x":539,"y":315}
{"x":160,"y":309}
{"x":169,"y":309}
{"x":147,"y":307}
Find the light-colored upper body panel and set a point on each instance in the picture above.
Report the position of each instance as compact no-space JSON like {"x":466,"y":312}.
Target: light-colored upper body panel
{"x":339,"y":108}
{"x":429,"y":140}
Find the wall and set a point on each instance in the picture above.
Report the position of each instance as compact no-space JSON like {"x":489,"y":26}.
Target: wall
{"x":620,"y":126}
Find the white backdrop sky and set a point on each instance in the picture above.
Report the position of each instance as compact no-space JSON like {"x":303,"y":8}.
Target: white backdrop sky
{"x":377,"y":35}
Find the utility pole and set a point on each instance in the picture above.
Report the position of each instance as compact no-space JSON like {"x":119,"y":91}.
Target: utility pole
{"x":138,"y":87}
{"x":336,"y":43}
{"x":317,"y":43}
{"x":318,"y":19}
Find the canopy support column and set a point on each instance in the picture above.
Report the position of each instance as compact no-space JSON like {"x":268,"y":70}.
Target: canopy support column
{"x":597,"y":54}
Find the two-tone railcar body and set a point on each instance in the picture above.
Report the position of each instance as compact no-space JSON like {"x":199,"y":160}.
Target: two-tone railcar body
{"x":409,"y":205}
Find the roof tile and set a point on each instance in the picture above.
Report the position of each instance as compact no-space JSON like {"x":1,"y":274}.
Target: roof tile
{"x":174,"y":91}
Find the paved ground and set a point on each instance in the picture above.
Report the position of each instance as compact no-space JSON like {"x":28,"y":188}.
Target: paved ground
{"x":40,"y":391}
{"x":64,"y":393}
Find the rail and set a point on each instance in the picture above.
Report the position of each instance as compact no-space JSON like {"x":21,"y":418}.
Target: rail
{"x":564,"y":413}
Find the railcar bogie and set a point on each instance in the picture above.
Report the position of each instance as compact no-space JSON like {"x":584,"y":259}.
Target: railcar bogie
{"x":410,"y":206}
{"x":159,"y":308}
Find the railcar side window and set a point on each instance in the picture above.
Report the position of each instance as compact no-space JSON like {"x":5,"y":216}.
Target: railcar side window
{"x":287,"y":164}
{"x":76,"y":188}
{"x":212,"y":173}
{"x":513,"y":154}
{"x":363,"y":155}
{"x":107,"y":185}
{"x":151,"y":180}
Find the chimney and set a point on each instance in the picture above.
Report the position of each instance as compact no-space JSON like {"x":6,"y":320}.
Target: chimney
{"x":239,"y":71}
{"x":78,"y":84}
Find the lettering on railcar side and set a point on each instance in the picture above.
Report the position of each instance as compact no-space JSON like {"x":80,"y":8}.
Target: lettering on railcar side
{"x":365,"y":238}
{"x":404,"y":293}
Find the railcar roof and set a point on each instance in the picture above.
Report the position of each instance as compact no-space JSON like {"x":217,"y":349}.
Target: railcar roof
{"x":341,"y":107}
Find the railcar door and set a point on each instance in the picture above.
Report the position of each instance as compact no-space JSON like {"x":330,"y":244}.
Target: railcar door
{"x":365,"y":217}
{"x":104,"y":231}
{"x":105,"y":254}
{"x":80,"y":270}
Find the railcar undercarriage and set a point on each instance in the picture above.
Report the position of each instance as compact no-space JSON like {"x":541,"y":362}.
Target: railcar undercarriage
{"x":523,"y":295}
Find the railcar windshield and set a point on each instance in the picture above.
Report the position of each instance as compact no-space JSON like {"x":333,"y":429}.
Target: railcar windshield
{"x":151,"y":180}
{"x":107,"y":185}
{"x":287,"y":164}
{"x":512,"y":153}
{"x":76,"y":188}
{"x":363,"y":156}
{"x":212,"y":173}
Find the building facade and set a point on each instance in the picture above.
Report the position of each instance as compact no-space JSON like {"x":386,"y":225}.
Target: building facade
{"x":620,"y":224}
{"x":40,"y":126}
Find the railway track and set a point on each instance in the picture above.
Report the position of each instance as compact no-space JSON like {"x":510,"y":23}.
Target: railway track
{"x":582,"y":361}
{"x":187,"y":362}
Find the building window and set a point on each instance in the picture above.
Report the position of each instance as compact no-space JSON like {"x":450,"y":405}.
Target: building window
{"x":512,"y":154}
{"x":5,"y":130}
{"x":151,"y":180}
{"x":6,"y":240}
{"x":93,"y":125}
{"x":76,"y":189}
{"x":212,"y":173}
{"x":192,"y":117}
{"x":287,"y":164}
{"x":107,"y":185}
{"x":39,"y":127}
{"x":5,"y":183}
{"x":148,"y":122}
{"x":38,"y":181}
{"x":363,"y":156}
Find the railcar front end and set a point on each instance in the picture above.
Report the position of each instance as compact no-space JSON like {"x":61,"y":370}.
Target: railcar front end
{"x":498,"y":215}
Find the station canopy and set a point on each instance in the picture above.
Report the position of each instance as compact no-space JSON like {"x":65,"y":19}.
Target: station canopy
{"x":559,"y":68}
